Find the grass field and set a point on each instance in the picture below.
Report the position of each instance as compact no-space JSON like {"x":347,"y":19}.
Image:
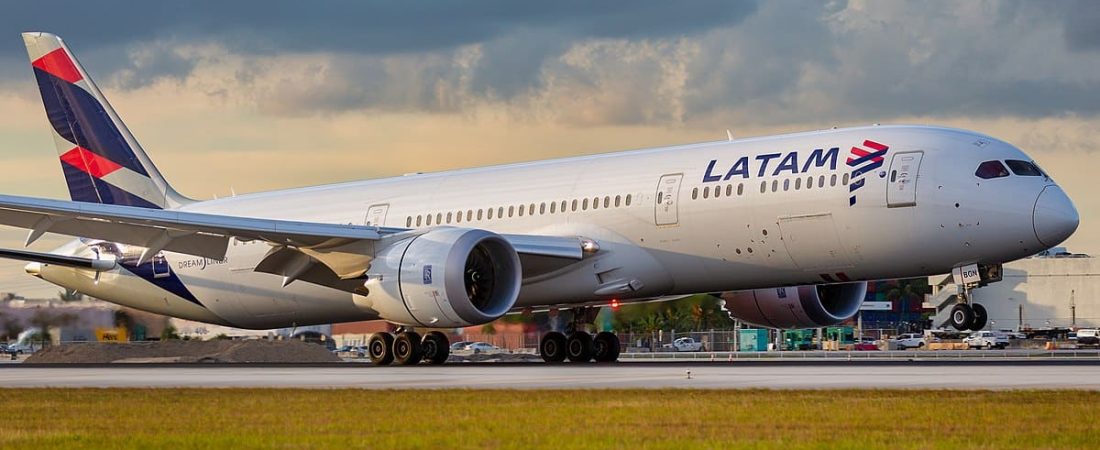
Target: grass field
{"x":672,"y":419}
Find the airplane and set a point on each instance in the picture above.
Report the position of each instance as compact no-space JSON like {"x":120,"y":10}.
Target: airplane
{"x":794,"y":224}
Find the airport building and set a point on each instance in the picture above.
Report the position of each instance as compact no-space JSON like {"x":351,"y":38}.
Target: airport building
{"x":1056,"y":289}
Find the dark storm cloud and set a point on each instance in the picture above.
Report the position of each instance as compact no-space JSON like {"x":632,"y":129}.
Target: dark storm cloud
{"x":598,"y":63}
{"x":1082,"y":29}
{"x":358,"y":27}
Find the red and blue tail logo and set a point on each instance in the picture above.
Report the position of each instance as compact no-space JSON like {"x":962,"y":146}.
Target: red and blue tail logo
{"x":863,"y":161}
{"x":101,"y":160}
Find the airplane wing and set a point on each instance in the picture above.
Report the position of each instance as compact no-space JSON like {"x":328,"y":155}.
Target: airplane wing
{"x":345,"y":249}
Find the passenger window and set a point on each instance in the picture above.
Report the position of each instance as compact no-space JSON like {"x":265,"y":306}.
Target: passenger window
{"x":821,"y":181}
{"x":763,"y":187}
{"x":584,"y":205}
{"x":429,"y":220}
{"x":606,"y":201}
{"x":717,"y":191}
{"x":660,"y":198}
{"x":531,"y":209}
{"x":991,"y":169}
{"x":479,"y":216}
{"x":809,"y":182}
{"x":1023,"y":168}
{"x":448,"y":217}
{"x":797,"y":184}
{"x":511,"y":211}
{"x":521,"y":208}
{"x":729,"y":190}
{"x":469,"y":215}
{"x":438,"y":218}
{"x":706,"y":192}
{"x":553,"y":207}
{"x":574,"y":205}
{"x":740,"y":188}
{"x":832,"y":180}
{"x":542,"y":208}
{"x":787,"y":184}
{"x":628,"y":199}
{"x":844,"y":180}
{"x":775,"y":185}
{"x":563,"y":205}
{"x":500,"y":212}
{"x":618,"y":198}
{"x":458,"y":217}
{"x":491,"y":213}
{"x":408,"y":222}
{"x":419,"y":221}
{"x":694,"y":194}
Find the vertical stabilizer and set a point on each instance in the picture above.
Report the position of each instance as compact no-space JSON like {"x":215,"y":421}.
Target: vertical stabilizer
{"x":102,"y":161}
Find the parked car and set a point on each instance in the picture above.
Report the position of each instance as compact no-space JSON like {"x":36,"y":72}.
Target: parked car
{"x":986,"y":339}
{"x":460,"y":345}
{"x":483,"y":348}
{"x":1088,"y":337}
{"x":910,"y":340}
{"x":684,"y":344}
{"x":19,"y":349}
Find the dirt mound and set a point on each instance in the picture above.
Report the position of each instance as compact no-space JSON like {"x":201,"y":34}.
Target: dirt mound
{"x":218,"y":351}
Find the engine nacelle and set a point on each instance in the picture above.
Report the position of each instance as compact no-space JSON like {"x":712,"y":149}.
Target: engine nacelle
{"x":445,"y":278}
{"x":797,"y":307}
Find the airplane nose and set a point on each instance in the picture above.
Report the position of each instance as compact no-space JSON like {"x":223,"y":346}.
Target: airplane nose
{"x":1055,"y":218}
{"x":33,"y":268}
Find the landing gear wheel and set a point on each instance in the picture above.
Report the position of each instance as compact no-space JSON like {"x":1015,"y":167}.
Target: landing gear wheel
{"x":380,"y":348}
{"x":579,"y":347}
{"x":605,"y":347}
{"x":436,"y":347}
{"x":406,"y":348}
{"x":552,"y":347}
{"x":980,"y":317}
{"x":962,"y":316}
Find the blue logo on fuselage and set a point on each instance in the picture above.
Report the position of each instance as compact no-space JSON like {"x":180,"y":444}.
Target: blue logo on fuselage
{"x":788,"y":163}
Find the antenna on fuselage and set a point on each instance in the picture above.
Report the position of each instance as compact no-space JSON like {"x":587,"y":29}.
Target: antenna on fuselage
{"x":729,"y":135}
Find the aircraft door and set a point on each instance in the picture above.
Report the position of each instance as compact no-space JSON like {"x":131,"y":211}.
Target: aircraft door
{"x":666,"y":206}
{"x":902,"y":183}
{"x":376,"y":215}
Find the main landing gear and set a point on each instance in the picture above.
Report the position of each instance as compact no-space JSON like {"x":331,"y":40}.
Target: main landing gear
{"x":408,"y":348}
{"x":578,"y":345}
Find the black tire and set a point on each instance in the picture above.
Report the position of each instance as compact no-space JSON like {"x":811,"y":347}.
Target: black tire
{"x":436,"y":348}
{"x":578,"y":347}
{"x":406,"y":348}
{"x":606,"y":347}
{"x":552,"y":347}
{"x":380,"y":348}
{"x":980,"y":317}
{"x":962,"y":316}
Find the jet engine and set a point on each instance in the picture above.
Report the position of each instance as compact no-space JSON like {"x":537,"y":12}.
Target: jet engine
{"x":797,"y":307}
{"x":445,"y":278}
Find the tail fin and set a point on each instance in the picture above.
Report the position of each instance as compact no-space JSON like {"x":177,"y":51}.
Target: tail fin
{"x":102,"y":161}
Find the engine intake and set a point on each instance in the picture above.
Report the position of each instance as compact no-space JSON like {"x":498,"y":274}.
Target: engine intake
{"x":797,"y":307}
{"x":447,"y":277}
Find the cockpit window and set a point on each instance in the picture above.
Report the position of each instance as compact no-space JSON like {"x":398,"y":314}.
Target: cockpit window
{"x":1023,"y":168}
{"x":991,"y":169}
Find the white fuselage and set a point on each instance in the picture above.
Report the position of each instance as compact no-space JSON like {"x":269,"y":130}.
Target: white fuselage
{"x":788,"y":212}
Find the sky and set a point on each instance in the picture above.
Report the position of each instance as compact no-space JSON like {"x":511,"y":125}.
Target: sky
{"x":232,"y":97}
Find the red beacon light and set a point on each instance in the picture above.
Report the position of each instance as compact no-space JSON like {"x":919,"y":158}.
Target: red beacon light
{"x":614,"y":304}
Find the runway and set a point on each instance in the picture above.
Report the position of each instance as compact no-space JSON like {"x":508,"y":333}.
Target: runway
{"x":741,"y":375}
